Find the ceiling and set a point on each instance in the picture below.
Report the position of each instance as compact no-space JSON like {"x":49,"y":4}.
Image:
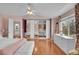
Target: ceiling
{"x":49,"y":10}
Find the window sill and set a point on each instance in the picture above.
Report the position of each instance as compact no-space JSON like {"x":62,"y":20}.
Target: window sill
{"x":66,"y":37}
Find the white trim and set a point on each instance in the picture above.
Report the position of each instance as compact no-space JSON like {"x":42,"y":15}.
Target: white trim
{"x":70,"y":16}
{"x":66,"y":37}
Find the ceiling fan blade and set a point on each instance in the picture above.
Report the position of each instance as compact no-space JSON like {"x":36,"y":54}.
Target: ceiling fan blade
{"x":30,"y":8}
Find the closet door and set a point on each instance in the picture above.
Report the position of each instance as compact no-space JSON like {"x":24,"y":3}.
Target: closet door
{"x":10,"y":27}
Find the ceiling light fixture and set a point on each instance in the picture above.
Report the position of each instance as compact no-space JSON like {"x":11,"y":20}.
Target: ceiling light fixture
{"x":29,"y":11}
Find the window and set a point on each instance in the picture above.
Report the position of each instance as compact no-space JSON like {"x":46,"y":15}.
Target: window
{"x":67,"y":27}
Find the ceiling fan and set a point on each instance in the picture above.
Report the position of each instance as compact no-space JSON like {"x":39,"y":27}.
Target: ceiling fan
{"x":30,"y":10}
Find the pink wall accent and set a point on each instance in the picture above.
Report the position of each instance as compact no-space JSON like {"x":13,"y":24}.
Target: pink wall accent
{"x":0,"y":25}
{"x":54,"y":26}
{"x":4,"y":23}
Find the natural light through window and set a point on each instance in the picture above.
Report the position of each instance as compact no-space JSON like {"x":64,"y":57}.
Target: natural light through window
{"x":67,"y":27}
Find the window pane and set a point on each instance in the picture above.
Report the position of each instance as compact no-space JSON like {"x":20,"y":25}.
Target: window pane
{"x":65,"y":28}
{"x":68,"y":27}
{"x":72,"y":28}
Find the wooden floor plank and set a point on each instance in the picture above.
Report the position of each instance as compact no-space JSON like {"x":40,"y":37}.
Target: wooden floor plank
{"x":46,"y":47}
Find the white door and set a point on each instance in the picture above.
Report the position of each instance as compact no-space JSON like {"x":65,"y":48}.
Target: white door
{"x":10,"y":27}
{"x":47,"y":28}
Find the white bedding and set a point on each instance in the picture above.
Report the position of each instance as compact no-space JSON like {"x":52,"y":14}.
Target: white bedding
{"x":6,"y":42}
{"x":20,"y":47}
{"x":26,"y":49}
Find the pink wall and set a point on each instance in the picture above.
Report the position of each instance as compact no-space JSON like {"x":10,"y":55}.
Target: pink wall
{"x":54,"y":26}
{"x":0,"y":25}
{"x":4,"y":23}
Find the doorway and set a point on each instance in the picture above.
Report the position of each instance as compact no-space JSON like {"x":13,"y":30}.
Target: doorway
{"x":36,"y":29}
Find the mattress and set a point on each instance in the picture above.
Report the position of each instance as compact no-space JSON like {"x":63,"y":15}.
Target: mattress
{"x":8,"y":47}
{"x":4,"y":43}
{"x":16,"y":47}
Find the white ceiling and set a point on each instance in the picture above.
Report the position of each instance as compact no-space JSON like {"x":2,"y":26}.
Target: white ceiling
{"x":45,"y":9}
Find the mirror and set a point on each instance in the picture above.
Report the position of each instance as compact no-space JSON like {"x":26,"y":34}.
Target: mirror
{"x":16,"y":29}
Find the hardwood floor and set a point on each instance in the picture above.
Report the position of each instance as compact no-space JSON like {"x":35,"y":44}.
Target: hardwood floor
{"x":46,"y":47}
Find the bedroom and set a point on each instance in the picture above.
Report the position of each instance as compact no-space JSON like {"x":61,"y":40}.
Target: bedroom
{"x":34,"y":28}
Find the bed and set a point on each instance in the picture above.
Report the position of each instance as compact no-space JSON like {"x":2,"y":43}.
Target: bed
{"x":26,"y":49}
{"x":16,"y":47}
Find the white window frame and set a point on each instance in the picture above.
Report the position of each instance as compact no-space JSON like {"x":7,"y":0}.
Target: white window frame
{"x":71,"y":17}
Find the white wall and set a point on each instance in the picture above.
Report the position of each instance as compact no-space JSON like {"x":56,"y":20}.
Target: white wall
{"x":32,"y":29}
{"x":21,"y":28}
